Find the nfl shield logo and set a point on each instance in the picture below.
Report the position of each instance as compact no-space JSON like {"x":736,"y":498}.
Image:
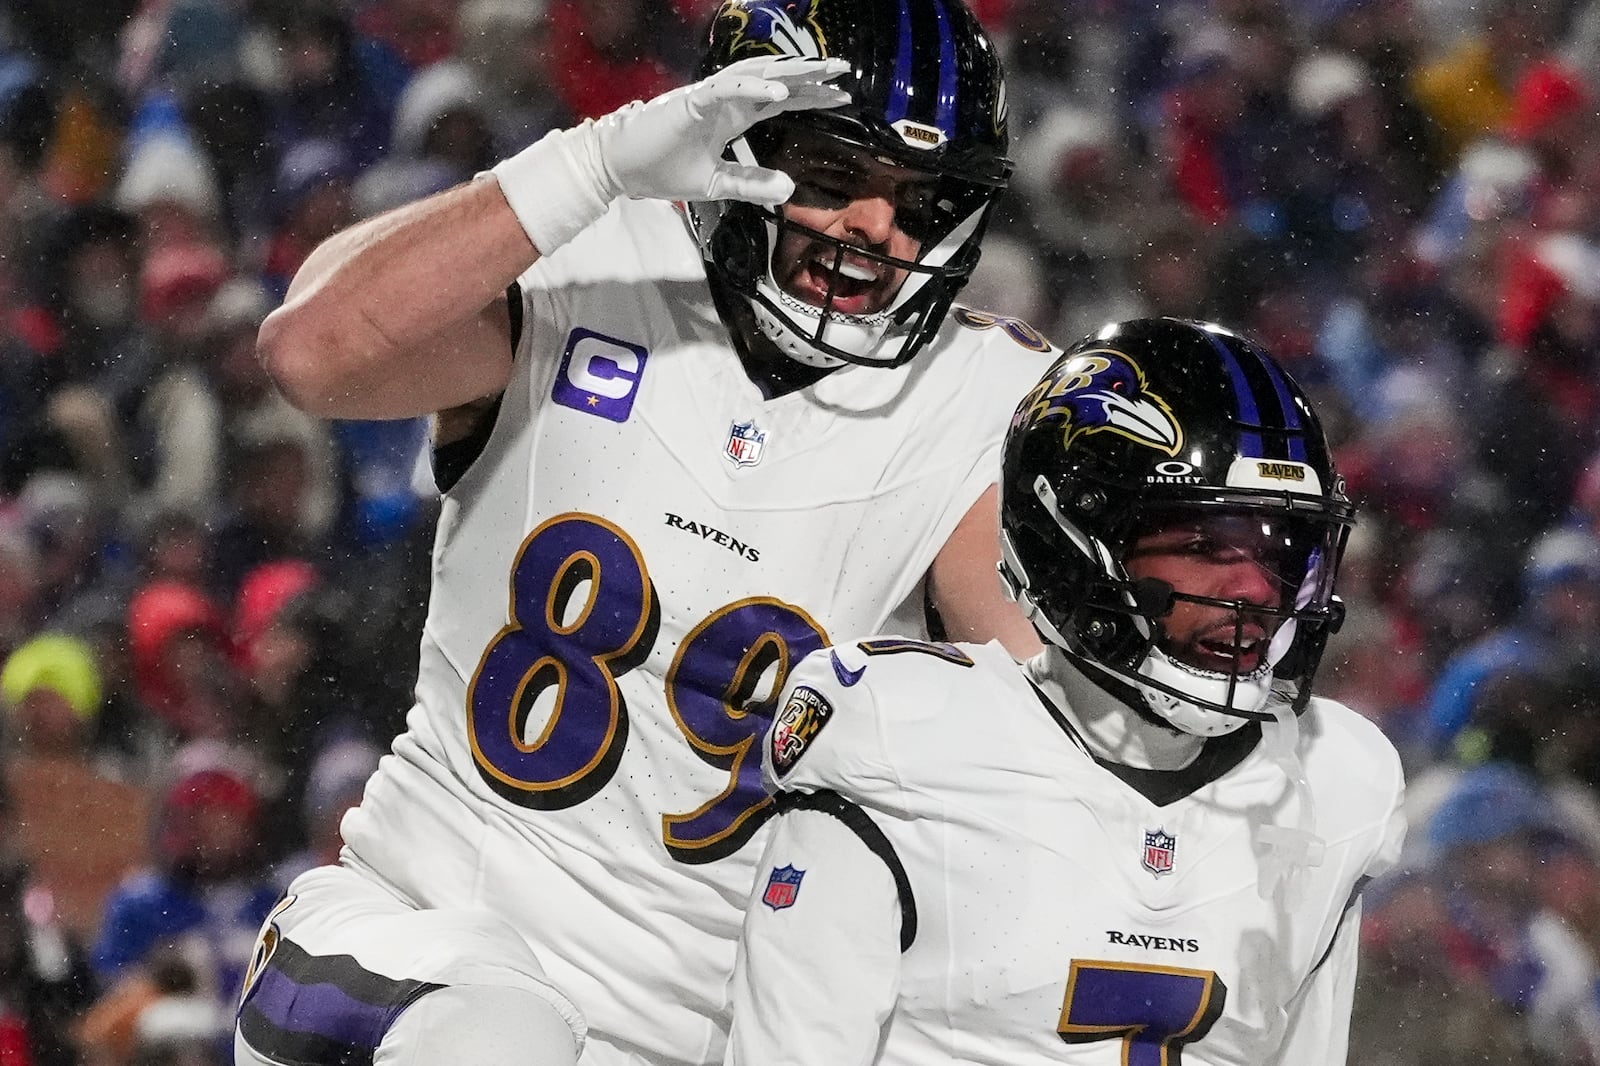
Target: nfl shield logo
{"x":782,"y":887}
{"x":745,"y":442}
{"x":1158,"y":848}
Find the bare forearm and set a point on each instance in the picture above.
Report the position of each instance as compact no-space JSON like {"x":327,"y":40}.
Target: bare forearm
{"x":401,"y":314}
{"x":966,"y":590}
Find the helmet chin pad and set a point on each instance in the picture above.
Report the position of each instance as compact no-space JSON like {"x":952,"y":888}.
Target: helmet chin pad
{"x":1209,"y":703}
{"x":1161,"y":679}
{"x":862,"y":334}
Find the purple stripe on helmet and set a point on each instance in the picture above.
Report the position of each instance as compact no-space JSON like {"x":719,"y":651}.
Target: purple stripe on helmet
{"x":900,"y":91}
{"x":1291,"y":414}
{"x":1250,"y":442}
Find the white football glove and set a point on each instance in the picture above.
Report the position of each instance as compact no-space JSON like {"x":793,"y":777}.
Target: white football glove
{"x":668,"y":148}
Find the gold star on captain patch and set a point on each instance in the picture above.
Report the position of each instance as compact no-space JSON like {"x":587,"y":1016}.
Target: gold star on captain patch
{"x":594,"y":401}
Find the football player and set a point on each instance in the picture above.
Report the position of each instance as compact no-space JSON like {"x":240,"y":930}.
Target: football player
{"x":704,"y":404}
{"x":1146,"y":844}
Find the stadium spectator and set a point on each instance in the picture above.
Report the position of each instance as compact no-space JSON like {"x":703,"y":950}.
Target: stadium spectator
{"x":337,"y":779}
{"x":506,"y":43}
{"x":204,"y":892}
{"x":1468,"y":90}
{"x":45,"y":980}
{"x":1556,"y":627}
{"x":79,"y":824}
{"x":181,"y":660}
{"x":1488,"y":842}
{"x":605,"y":56}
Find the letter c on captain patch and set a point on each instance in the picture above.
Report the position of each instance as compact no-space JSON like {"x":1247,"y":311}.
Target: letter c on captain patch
{"x":599,"y":375}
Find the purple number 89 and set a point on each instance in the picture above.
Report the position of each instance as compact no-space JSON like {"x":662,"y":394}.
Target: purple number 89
{"x":580,"y":649}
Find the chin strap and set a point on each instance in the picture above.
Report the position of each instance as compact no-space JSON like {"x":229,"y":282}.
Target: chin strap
{"x":1286,"y":850}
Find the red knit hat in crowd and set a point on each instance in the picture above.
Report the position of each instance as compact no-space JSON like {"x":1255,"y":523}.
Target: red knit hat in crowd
{"x":179,"y":275}
{"x":215,"y":788}
{"x":157,"y":613}
{"x":1546,"y":94}
{"x":263,"y":594}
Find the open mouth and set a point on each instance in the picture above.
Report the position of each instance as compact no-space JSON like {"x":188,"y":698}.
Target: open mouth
{"x":1230,"y":652}
{"x":855,"y":283}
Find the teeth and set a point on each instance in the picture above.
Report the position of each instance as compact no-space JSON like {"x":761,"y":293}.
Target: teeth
{"x":853,"y":271}
{"x":1242,"y":648}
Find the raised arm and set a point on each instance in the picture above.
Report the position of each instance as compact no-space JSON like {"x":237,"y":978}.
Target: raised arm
{"x":403,"y":314}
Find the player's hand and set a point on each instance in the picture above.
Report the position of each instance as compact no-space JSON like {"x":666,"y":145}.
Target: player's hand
{"x":668,"y":148}
{"x":671,"y":147}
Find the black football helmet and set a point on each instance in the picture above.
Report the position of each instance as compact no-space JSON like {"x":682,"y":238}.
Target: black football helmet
{"x":1141,"y":425}
{"x":927,"y":92}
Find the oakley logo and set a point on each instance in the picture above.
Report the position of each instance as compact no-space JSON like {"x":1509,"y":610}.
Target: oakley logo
{"x":1174,"y":472}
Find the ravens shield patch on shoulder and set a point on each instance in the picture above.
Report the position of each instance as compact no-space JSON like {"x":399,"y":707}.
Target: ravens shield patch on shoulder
{"x":799,"y":721}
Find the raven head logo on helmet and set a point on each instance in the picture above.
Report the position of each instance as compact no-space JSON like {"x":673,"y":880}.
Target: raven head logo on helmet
{"x":782,"y":27}
{"x":1171,"y":519}
{"x":1103,"y":391}
{"x":927,"y":107}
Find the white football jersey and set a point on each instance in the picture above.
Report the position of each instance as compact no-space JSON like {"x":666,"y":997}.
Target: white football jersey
{"x":622,"y":580}
{"x":956,"y":879}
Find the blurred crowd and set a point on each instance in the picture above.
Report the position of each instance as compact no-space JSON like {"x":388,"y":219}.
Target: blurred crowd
{"x":209,"y":601}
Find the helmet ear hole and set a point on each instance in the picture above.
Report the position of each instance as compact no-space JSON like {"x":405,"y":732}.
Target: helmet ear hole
{"x":1099,"y":632}
{"x":736,"y":249}
{"x":1107,"y":636}
{"x":1089,"y":502}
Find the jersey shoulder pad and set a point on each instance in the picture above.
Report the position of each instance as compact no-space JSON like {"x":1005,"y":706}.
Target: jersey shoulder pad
{"x":1353,"y":768}
{"x":1002,"y":358}
{"x":1019,"y":333}
{"x":843,"y":701}
{"x":1351,"y":747}
{"x":633,"y":242}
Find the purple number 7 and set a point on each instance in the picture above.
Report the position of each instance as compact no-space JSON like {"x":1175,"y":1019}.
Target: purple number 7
{"x":1153,"y":1010}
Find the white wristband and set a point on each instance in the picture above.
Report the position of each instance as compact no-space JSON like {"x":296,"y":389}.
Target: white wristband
{"x":556,"y":186}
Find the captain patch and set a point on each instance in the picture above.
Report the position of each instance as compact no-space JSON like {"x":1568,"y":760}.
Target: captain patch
{"x":797,"y":724}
